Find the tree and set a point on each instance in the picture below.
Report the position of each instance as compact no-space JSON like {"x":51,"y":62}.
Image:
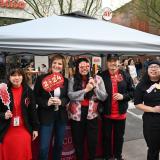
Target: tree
{"x":43,"y":8}
{"x":149,"y":10}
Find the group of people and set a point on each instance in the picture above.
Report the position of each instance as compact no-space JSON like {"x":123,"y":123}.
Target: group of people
{"x":79,"y":99}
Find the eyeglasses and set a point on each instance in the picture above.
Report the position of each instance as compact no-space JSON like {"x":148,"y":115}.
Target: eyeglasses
{"x":154,"y":67}
{"x":84,"y":67}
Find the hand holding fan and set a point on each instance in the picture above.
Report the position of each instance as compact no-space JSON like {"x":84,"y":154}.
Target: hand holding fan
{"x":53,"y":81}
{"x":4,"y":95}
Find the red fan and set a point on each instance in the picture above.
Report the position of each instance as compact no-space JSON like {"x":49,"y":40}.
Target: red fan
{"x":53,"y":81}
{"x":5,"y":95}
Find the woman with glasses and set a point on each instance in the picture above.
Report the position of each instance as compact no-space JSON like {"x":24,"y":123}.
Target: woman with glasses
{"x":119,"y":86}
{"x":84,"y":93}
{"x":147,"y":99}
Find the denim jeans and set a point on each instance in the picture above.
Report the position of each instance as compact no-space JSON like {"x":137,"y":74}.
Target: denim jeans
{"x":46,"y":132}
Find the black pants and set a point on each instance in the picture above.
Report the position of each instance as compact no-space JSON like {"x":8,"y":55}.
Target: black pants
{"x":151,"y":131}
{"x":113,"y":137}
{"x":85,"y":129}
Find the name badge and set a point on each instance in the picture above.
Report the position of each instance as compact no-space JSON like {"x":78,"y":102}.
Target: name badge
{"x":16,"y":121}
{"x":151,"y":88}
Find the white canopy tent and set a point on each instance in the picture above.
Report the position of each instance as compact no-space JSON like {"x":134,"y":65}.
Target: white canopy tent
{"x":71,"y":35}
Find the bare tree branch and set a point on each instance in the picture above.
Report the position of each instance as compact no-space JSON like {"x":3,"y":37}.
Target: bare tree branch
{"x":91,"y":3}
{"x":43,"y":8}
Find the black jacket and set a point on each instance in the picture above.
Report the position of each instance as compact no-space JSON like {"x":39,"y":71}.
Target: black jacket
{"x":125,"y":87}
{"x":29,"y":112}
{"x":46,"y":113}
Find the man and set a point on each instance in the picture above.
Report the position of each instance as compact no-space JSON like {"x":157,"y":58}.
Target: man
{"x":119,"y":86}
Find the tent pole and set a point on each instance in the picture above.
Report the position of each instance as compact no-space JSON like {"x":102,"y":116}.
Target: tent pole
{"x":103,"y":63}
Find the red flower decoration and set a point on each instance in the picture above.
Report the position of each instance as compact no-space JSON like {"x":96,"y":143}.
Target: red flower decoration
{"x":73,"y":107}
{"x":119,"y":78}
{"x":27,"y":101}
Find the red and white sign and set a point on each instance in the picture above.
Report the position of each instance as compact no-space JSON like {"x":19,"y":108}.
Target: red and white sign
{"x":4,"y":94}
{"x":53,"y":81}
{"x":107,"y":14}
{"x":97,"y":61}
{"x":12,"y":4}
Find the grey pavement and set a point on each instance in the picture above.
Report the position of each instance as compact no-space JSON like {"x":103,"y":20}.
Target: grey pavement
{"x":134,"y":146}
{"x":135,"y":150}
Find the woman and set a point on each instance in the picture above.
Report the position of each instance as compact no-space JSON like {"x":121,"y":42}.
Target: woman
{"x":84,"y":93}
{"x":138,"y":66}
{"x":52,"y":119}
{"x":132,"y":71}
{"x":147,"y":99}
{"x":124,"y":65}
{"x":19,"y":125}
{"x":118,"y":85}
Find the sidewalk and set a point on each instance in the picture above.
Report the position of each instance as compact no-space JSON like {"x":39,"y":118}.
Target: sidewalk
{"x":135,"y":150}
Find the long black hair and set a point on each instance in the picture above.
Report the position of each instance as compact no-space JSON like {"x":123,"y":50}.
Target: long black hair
{"x":78,"y":78}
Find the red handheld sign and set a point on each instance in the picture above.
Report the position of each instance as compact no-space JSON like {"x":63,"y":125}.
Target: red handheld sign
{"x":4,"y":94}
{"x":53,"y":81}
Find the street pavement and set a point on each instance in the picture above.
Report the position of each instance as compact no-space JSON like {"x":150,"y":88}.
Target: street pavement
{"x":134,"y":147}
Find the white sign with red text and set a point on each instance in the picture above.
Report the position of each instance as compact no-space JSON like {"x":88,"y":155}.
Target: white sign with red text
{"x":107,"y":14}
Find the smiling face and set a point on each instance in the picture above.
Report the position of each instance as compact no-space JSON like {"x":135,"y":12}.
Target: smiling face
{"x":113,"y":65}
{"x":16,"y":79}
{"x":57,"y":65}
{"x":154,"y":71}
{"x":84,"y":68}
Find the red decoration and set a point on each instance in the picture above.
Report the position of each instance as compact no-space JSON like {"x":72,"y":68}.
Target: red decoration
{"x":119,"y":78}
{"x":53,"y":81}
{"x":4,"y":94}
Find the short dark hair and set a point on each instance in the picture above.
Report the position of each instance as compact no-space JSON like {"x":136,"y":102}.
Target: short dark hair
{"x":19,"y":71}
{"x":112,"y":57}
{"x":154,"y":62}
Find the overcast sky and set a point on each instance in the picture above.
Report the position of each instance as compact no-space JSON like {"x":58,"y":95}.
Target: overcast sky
{"x":114,"y":4}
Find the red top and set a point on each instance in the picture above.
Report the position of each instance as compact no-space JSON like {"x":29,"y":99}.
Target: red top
{"x":17,"y":141}
{"x":114,"y":109}
{"x":17,"y":111}
{"x":85,"y":102}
